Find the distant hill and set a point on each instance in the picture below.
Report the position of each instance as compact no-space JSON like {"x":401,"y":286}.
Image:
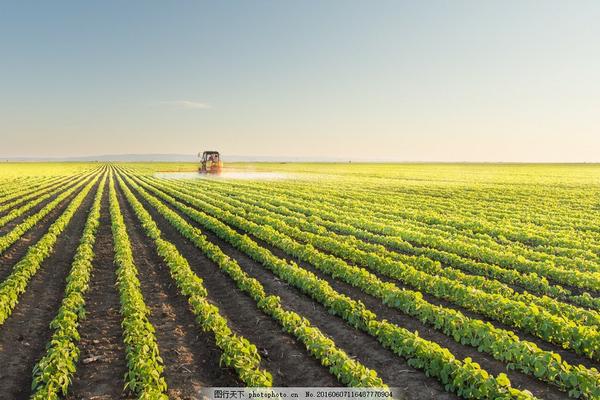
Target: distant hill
{"x":171,"y":158}
{"x":111,"y":157}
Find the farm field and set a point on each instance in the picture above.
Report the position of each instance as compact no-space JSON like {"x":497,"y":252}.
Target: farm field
{"x":444,"y":281}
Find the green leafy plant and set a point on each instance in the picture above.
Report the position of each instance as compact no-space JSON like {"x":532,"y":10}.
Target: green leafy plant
{"x":465,"y":378}
{"x":347,"y":370}
{"x":53,"y":373}
{"x":144,"y":377}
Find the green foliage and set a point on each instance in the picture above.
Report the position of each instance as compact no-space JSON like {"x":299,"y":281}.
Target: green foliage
{"x":11,"y":237}
{"x":238,"y":352}
{"x":144,"y":377}
{"x":53,"y":373}
{"x":503,"y":345}
{"x":463,"y":377}
{"x":365,"y":253}
{"x":16,"y":283}
{"x":348,"y":371}
{"x":517,"y":244}
{"x":21,"y":192}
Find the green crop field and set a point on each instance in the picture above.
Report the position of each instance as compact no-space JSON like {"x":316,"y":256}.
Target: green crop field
{"x":149,"y":280}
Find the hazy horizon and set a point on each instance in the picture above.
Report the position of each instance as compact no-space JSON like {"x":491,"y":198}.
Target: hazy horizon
{"x":429,"y":81}
{"x":228,"y":158}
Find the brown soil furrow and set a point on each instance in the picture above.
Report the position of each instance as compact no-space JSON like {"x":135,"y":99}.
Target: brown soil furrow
{"x":287,"y":359}
{"x":566,"y":354}
{"x":461,"y":351}
{"x":413,"y":383}
{"x":101,"y":332}
{"x":493,"y":366}
{"x":25,"y":333}
{"x":18,"y":249}
{"x":190,"y":356}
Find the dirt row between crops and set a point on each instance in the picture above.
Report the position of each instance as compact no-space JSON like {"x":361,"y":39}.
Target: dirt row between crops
{"x":24,"y":335}
{"x":37,"y":207}
{"x":190,"y":356}
{"x":412,"y":383}
{"x":516,"y":287}
{"x":282,"y":356}
{"x":102,"y":364}
{"x":21,"y":203}
{"x":567,"y":355}
{"x":412,"y":324}
{"x":18,"y":249}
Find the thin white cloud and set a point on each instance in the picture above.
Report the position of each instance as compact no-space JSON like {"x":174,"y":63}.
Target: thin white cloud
{"x":187,"y":105}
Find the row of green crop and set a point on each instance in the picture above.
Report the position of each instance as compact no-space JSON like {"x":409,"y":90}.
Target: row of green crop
{"x":502,"y":345}
{"x":43,"y":195}
{"x":318,"y":235}
{"x":52,"y":374}
{"x":238,"y":352}
{"x":11,"y":189}
{"x":19,"y":230}
{"x":379,"y":223}
{"x":465,"y":377}
{"x":411,"y":201}
{"x":485,"y":254}
{"x":518,"y":207}
{"x":578,"y":255}
{"x":16,"y":283}
{"x":530,"y":281}
{"x":347,"y":370}
{"x":144,"y":376}
{"x":23,"y":191}
{"x":528,"y":234}
{"x":454,"y":217}
{"x":499,"y":224}
{"x":22,"y":194}
{"x":8,"y":182}
{"x":336,"y":201}
{"x":341,"y":223}
{"x":528,"y":317}
{"x":581,"y":258}
{"x":15,"y":190}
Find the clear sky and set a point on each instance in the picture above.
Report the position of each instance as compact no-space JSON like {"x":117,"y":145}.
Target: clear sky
{"x":420,"y":80}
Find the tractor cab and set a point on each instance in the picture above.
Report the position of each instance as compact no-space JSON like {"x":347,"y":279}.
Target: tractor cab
{"x":210,"y":163}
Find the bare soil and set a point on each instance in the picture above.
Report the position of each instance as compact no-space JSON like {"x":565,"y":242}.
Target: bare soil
{"x":518,"y":379}
{"x":393,"y":370}
{"x":102,"y":363}
{"x":18,"y":249}
{"x":286,"y":359}
{"x":24,"y":335}
{"x":191,"y":357}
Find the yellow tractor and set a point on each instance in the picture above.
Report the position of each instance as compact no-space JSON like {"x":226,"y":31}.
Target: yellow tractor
{"x":210,"y":162}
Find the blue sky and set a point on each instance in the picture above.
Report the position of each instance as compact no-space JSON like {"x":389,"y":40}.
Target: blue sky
{"x":433,"y":80}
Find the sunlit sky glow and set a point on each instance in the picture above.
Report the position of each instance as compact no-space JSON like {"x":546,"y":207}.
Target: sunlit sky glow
{"x":393,"y":80}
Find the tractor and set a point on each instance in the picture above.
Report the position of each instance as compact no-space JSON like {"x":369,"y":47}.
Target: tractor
{"x":210,"y":162}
